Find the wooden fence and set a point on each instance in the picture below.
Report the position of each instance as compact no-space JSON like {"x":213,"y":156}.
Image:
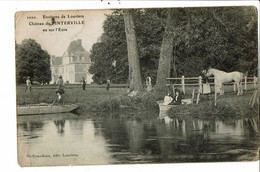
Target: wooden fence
{"x":197,"y":81}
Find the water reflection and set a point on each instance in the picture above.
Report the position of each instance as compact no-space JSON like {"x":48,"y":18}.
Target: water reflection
{"x":176,"y":140}
{"x":31,"y":126}
{"x":60,"y":126}
{"x":59,"y":136}
{"x":124,"y":139}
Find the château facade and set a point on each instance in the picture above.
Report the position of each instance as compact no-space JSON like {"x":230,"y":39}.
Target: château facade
{"x":73,"y":65}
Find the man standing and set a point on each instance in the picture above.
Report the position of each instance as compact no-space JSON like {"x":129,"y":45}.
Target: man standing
{"x":28,"y":85}
{"x":108,"y":84}
{"x":205,"y":81}
{"x":83,"y":83}
{"x":60,"y":83}
{"x":149,"y":83}
{"x":60,"y":91}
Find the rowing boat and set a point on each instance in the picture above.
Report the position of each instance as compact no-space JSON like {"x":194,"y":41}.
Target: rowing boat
{"x":44,"y":108}
{"x":164,"y":108}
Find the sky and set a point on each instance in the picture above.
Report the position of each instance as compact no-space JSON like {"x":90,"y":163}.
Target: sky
{"x":27,"y":25}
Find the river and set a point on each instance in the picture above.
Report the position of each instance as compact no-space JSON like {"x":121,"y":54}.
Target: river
{"x":68,"y":139}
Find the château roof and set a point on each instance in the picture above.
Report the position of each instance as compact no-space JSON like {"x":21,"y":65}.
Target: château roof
{"x":76,"y":50}
{"x":56,"y":60}
{"x":75,"y":46}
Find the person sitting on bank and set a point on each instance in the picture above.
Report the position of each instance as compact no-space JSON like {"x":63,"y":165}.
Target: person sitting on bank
{"x":167,"y":99}
{"x":177,"y":99}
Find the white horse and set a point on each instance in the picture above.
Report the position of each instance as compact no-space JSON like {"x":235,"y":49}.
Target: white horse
{"x":223,"y":77}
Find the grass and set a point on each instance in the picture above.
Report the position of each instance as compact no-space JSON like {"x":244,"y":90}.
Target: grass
{"x":97,"y":99}
{"x":228,"y":106}
{"x":87,"y":99}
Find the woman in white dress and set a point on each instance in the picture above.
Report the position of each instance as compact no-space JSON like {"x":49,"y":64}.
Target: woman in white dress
{"x":167,"y":99}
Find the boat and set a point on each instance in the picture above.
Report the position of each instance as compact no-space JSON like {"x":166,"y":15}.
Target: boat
{"x":44,"y":108}
{"x":164,"y":108}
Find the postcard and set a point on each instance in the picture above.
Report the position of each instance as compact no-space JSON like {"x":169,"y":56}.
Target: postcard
{"x":137,"y":86}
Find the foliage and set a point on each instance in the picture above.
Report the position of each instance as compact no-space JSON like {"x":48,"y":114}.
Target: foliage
{"x":220,"y":37}
{"x":112,"y":48}
{"x":224,"y":38}
{"x":33,"y":61}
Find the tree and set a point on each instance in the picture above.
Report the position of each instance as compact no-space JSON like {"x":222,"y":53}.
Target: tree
{"x":133,"y":53}
{"x":33,"y":61}
{"x":109,"y":54}
{"x":220,"y":37}
{"x":166,"y":53}
{"x":112,"y":46}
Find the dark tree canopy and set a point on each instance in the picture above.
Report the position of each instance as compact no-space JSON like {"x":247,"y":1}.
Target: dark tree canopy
{"x":219,"y":37}
{"x":109,"y":55}
{"x":223,"y":38}
{"x":33,"y":61}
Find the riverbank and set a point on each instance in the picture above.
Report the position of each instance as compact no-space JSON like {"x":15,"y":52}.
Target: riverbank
{"x":88,"y":99}
{"x":94,"y":100}
{"x":97,"y":99}
{"x":228,"y":106}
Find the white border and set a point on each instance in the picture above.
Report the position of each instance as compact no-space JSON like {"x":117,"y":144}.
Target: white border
{"x":8,"y":125}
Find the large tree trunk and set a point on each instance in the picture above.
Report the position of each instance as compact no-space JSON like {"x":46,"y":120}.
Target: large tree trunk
{"x":133,"y":54}
{"x":166,"y":52}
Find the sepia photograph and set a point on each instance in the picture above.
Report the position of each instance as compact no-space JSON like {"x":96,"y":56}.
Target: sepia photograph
{"x":137,"y":86}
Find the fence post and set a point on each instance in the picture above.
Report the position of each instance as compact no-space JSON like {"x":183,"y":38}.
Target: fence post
{"x":200,"y":84}
{"x":192,"y":95}
{"x":245,"y":82}
{"x":255,"y":82}
{"x":234,"y":87}
{"x":183,"y":84}
{"x":198,"y":98}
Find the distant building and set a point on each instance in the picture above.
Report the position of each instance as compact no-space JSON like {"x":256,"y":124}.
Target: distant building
{"x":73,"y":65}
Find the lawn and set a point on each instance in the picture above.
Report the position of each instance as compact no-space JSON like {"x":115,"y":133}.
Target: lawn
{"x":97,"y":98}
{"x":92,"y":96}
